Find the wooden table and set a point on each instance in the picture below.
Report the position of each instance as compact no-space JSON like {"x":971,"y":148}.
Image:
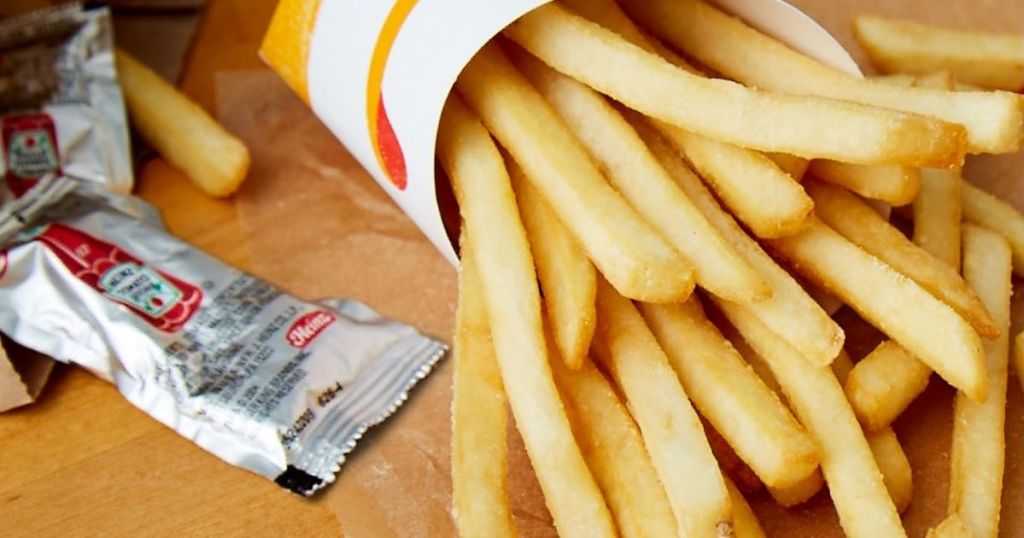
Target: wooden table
{"x":83,"y":461}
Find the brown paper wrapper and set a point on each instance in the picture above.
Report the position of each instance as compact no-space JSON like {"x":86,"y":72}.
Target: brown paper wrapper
{"x":319,"y":226}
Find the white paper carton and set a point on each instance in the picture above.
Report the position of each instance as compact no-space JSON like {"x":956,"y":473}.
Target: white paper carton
{"x":378,"y":73}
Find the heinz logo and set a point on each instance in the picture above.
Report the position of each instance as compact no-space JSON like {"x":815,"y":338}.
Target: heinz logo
{"x":308,"y":327}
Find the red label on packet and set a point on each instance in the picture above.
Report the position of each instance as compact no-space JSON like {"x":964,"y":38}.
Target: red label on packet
{"x":308,"y":327}
{"x":160,"y":299}
{"x":30,"y":150}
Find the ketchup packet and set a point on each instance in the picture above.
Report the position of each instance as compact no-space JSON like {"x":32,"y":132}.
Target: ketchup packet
{"x":268,"y":382}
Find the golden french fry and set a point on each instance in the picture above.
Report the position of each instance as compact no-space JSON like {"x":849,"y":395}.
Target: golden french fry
{"x":744,"y":521}
{"x":729,"y":112}
{"x":893,"y":303}
{"x":758,"y":427}
{"x":566,"y":276}
{"x":985,"y":59}
{"x":615,"y":453}
{"x":994,"y":121}
{"x":636,"y":175}
{"x":732,"y":466}
{"x":810,"y":485}
{"x":762,"y":196}
{"x":800,"y":492}
{"x":498,"y":250}
{"x":854,"y":480}
{"x":624,"y":248}
{"x":942,"y":80}
{"x":897,"y":185}
{"x":607,"y":13}
{"x":884,"y":383}
{"x":889,"y":455}
{"x":670,"y":427}
{"x":479,"y":417}
{"x":895,"y":467}
{"x":795,"y":166}
{"x":937,"y":207}
{"x":978,"y":454}
{"x":897,"y":79}
{"x":858,"y":222}
{"x":980,"y":207}
{"x":937,"y":215}
{"x":790,"y":312}
{"x":181,"y":131}
{"x":951,"y":527}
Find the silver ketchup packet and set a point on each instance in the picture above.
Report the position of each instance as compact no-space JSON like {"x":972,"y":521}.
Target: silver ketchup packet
{"x":60,"y":104}
{"x":279,"y":386}
{"x":265,"y":381}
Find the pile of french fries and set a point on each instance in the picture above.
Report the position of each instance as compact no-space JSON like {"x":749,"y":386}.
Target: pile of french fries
{"x":657,"y":199}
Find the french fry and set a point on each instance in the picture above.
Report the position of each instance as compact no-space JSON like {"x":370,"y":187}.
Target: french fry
{"x":885,"y":446}
{"x":790,"y":312}
{"x":893,"y":303}
{"x":729,"y":112}
{"x":732,"y":466}
{"x":181,"y":131}
{"x":858,"y":222}
{"x":854,"y":480}
{"x":615,"y":453}
{"x":942,"y":80}
{"x":937,"y":207}
{"x":566,"y":276}
{"x":758,"y":427}
{"x":623,"y":247}
{"x":795,"y":166}
{"x":937,"y":215}
{"x":800,"y":492}
{"x":479,"y":417}
{"x":809,"y":486}
{"x":670,"y":427}
{"x":608,"y":14}
{"x":760,"y":194}
{"x":980,"y":207}
{"x":884,"y":383}
{"x":994,"y":121}
{"x":989,"y":60}
{"x":635,"y":173}
{"x":498,"y":249}
{"x":897,"y":79}
{"x":977,"y":457}
{"x":895,"y":467}
{"x":744,"y":521}
{"x":951,"y":527}
{"x":897,"y":185}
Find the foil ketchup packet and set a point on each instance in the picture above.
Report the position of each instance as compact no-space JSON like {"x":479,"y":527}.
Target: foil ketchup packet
{"x":266,"y":381}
